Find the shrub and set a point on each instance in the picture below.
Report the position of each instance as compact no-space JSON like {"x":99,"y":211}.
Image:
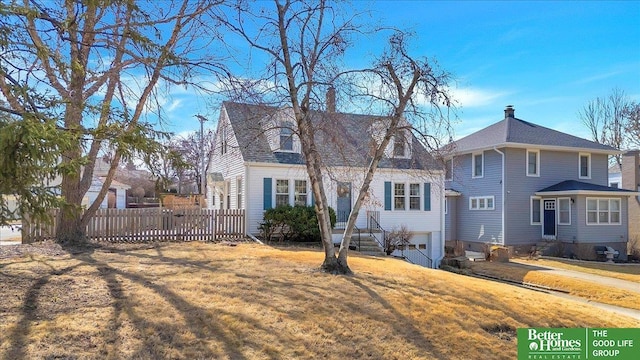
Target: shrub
{"x":634,"y":248}
{"x":293,"y":223}
{"x":397,"y":238}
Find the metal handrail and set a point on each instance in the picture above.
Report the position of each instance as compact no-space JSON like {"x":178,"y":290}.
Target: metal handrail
{"x":383,"y":231}
{"x":354,"y":228}
{"x":429,"y":260}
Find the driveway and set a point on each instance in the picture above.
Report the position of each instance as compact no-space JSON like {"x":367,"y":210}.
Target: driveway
{"x":599,"y":279}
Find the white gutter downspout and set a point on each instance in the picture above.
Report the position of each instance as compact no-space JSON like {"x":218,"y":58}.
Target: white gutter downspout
{"x":436,"y":264}
{"x":245,"y":198}
{"x":503,"y":195}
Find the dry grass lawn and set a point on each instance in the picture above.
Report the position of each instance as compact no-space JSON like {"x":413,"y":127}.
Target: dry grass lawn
{"x":529,"y":273}
{"x":209,"y":301}
{"x":629,"y":272}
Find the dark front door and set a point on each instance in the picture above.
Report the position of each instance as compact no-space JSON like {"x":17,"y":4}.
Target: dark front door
{"x":549,"y":218}
{"x":112,"y":197}
{"x":344,"y":202}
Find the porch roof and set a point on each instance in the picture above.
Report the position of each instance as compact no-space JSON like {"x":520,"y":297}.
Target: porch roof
{"x":215,"y":177}
{"x":573,"y":187}
{"x":451,"y":192}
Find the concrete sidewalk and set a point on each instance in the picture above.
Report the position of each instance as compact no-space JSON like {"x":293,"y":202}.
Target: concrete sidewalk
{"x":598,"y":279}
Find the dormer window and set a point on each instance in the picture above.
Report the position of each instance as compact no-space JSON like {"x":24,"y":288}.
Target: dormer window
{"x":286,"y":136}
{"x":399,"y":144}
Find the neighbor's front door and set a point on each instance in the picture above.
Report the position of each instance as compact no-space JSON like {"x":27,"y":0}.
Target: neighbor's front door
{"x":549,"y":227}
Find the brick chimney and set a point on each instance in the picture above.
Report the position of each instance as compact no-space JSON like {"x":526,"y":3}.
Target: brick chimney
{"x":331,"y":100}
{"x":631,"y":170}
{"x":631,"y":181}
{"x":509,"y":112}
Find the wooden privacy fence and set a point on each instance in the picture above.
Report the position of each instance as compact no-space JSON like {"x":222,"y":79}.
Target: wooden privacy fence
{"x":150,"y":224}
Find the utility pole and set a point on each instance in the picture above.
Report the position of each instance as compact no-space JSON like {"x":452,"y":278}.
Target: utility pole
{"x":203,"y":176}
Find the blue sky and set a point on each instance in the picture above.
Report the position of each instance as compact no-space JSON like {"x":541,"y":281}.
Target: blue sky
{"x":548,"y":59}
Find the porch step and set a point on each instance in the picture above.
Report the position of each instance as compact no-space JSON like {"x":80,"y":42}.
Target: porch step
{"x":475,"y":255}
{"x":368,"y":246}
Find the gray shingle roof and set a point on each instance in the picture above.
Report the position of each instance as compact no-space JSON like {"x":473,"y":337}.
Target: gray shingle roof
{"x":342,"y":139}
{"x":515,"y":131}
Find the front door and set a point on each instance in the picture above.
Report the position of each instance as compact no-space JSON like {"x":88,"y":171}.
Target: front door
{"x":344,"y":202}
{"x":549,"y":227}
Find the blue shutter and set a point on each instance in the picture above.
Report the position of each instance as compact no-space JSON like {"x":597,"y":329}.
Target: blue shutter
{"x":313,"y":199}
{"x":427,"y":196}
{"x":267,"y":188}
{"x":387,"y":195}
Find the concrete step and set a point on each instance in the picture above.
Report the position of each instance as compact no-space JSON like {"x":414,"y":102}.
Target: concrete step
{"x":475,"y":255}
{"x":373,"y":253}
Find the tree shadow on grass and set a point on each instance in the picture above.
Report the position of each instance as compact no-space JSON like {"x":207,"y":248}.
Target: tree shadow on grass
{"x":194,"y":316}
{"x":400,"y":323}
{"x":206,"y":326}
{"x":29,"y":312}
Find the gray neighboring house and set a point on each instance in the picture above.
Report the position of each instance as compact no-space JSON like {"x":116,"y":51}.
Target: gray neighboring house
{"x":627,"y":176}
{"x":515,"y":183}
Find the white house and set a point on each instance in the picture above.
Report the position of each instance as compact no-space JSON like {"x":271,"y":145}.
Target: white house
{"x":257,"y":164}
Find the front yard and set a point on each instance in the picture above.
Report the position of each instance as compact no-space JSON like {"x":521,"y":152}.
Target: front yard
{"x":200,"y":300}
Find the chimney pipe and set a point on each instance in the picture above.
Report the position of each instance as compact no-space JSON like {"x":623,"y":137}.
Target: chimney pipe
{"x":331,"y":99}
{"x":509,"y":112}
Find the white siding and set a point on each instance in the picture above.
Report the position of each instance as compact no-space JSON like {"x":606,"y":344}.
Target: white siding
{"x":255,"y":195}
{"x":230,"y":165}
{"x":426,"y":225}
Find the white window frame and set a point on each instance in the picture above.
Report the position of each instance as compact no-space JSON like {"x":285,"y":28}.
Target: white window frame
{"x":531,"y":200}
{"x":239,"y":192}
{"x":399,"y":143}
{"x":288,"y":193}
{"x":418,"y":196}
{"x":481,"y":203}
{"x":286,"y":133}
{"x":580,"y":155}
{"x":448,"y":169}
{"x":598,"y":211}
{"x":296,"y":193}
{"x":537,"y":152}
{"x":403,"y":197}
{"x":473,"y":166}
{"x":223,"y":140}
{"x":559,"y":210}
{"x":227,"y":191}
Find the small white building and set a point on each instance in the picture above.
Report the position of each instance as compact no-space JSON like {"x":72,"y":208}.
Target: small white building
{"x":257,"y":164}
{"x":116,"y":198}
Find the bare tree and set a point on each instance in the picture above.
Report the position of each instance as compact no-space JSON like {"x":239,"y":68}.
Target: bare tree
{"x":192,"y":150}
{"x":605,"y":118}
{"x":632,"y":117}
{"x":102,"y":63}
{"x":181,"y":161}
{"x":304,"y":41}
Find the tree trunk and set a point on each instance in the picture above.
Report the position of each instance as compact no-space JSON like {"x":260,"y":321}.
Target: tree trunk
{"x":336,"y":265}
{"x":70,"y":229}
